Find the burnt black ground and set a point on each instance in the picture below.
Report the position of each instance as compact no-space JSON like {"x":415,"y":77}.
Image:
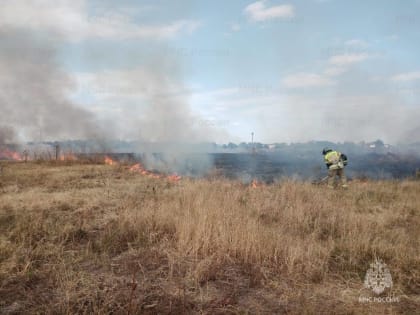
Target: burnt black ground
{"x":271,"y":166}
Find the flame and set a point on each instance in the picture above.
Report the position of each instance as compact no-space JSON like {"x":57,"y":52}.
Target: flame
{"x":255,"y":184}
{"x":138,"y":168}
{"x":68,"y":157}
{"x":10,"y":155}
{"x":110,"y":161}
{"x":174,"y":177}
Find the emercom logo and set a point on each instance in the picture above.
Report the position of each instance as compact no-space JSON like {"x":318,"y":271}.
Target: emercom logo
{"x":378,"y":277}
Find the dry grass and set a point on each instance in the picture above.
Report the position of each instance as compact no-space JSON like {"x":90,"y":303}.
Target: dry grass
{"x":95,"y":239}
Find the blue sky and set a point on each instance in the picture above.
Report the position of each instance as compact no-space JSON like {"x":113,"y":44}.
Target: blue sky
{"x":287,"y":70}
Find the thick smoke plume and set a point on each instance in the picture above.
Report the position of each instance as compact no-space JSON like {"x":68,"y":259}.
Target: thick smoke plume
{"x":7,"y":135}
{"x":168,"y":123}
{"x":34,"y":97}
{"x":154,"y":109}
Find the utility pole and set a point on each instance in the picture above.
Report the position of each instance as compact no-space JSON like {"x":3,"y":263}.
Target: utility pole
{"x":252,"y":142}
{"x":57,"y":151}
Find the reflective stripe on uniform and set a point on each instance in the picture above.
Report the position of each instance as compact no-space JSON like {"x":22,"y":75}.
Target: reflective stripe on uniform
{"x":333,"y":158}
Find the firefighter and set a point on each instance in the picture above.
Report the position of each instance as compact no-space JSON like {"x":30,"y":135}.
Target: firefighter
{"x":335,"y":162}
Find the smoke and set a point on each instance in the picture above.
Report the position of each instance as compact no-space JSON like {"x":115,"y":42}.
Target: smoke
{"x":7,"y":134}
{"x":356,"y":108}
{"x":142,"y":97}
{"x":352,"y":118}
{"x":149,"y":101}
{"x":168,"y":116}
{"x":34,"y":97}
{"x":165,"y":122}
{"x":145,"y":99}
{"x":371,"y":109}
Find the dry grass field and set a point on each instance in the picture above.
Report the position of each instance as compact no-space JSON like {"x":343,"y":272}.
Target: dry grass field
{"x":99,"y":239}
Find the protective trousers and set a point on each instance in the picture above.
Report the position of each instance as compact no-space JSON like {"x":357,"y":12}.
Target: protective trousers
{"x":333,"y":173}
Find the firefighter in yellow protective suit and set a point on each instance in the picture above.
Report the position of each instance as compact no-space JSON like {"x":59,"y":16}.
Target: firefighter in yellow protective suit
{"x":335,"y":162}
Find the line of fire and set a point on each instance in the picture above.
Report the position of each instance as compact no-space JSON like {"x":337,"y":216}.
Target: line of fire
{"x":253,"y":163}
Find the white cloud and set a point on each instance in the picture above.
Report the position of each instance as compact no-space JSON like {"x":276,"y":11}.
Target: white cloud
{"x":334,"y":71}
{"x":259,"y":11}
{"x":70,"y":19}
{"x":409,"y":76}
{"x":356,"y":43}
{"x":300,"y":80}
{"x":348,"y":59}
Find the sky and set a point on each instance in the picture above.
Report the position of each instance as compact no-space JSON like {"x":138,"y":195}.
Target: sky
{"x":287,"y":71}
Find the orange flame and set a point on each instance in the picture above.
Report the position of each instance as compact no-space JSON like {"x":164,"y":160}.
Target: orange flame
{"x":255,"y":183}
{"x":10,"y":155}
{"x":110,"y":161}
{"x":138,"y":168}
{"x":174,"y":177}
{"x":68,"y":157}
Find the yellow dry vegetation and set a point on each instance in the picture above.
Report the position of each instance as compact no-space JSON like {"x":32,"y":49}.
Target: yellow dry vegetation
{"x":98,"y":239}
